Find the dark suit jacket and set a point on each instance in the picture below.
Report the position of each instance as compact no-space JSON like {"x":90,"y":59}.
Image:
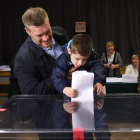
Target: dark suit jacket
{"x":33,"y":67}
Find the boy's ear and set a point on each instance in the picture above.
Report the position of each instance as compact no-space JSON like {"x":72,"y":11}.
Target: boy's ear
{"x":69,"y":50}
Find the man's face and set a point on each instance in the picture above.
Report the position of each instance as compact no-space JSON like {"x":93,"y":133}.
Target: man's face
{"x":77,"y":60}
{"x":42,"y":34}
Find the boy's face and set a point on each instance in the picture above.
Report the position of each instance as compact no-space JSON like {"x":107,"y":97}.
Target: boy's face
{"x":77,"y":59}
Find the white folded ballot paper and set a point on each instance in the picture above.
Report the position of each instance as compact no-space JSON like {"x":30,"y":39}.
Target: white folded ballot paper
{"x":129,"y":78}
{"x":82,"y":81}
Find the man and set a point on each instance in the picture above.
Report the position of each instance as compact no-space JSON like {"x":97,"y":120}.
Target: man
{"x":34,"y":61}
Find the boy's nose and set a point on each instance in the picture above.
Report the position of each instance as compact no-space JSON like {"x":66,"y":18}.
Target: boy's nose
{"x":80,"y":62}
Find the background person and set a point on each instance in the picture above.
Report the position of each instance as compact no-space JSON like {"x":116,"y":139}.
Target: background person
{"x":34,"y":61}
{"x":133,"y":68}
{"x":112,"y":60}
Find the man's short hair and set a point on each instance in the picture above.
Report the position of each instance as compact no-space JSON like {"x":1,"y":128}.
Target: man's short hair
{"x":81,"y":44}
{"x":34,"y":17}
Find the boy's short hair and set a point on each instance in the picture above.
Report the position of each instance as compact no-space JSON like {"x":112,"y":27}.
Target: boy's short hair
{"x":81,"y":44}
{"x":133,"y":56}
{"x":34,"y":17}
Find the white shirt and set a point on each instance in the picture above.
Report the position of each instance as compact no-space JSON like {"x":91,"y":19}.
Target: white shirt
{"x":130,"y":70}
{"x":110,"y":60}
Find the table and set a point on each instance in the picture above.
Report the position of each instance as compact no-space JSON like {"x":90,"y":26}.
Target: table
{"x":4,"y":73}
{"x":49,"y":117}
{"x":119,"y":87}
{"x":4,"y":83}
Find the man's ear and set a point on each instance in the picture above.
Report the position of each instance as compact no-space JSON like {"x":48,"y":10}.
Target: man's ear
{"x":27,"y":31}
{"x":69,"y":50}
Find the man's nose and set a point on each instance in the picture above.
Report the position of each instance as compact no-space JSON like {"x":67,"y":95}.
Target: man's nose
{"x":45,"y":37}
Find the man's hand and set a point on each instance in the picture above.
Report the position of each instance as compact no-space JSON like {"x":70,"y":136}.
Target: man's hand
{"x":99,"y":88}
{"x":70,"y":92}
{"x":69,"y":73}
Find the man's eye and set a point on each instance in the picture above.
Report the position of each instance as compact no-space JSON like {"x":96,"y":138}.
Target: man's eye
{"x":48,"y":32}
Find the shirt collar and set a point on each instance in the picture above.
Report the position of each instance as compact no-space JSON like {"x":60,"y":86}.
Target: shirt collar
{"x":51,"y":47}
{"x":48,"y":48}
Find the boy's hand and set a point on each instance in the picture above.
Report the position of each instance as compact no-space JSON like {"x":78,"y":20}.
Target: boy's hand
{"x":70,"y":92}
{"x":99,"y":88}
{"x":70,"y":107}
{"x":99,"y":104}
{"x":69,"y":73}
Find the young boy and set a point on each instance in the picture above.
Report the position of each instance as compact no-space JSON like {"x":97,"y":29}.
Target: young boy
{"x":80,"y":54}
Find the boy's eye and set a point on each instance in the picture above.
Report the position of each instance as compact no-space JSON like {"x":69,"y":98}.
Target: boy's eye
{"x":77,"y":59}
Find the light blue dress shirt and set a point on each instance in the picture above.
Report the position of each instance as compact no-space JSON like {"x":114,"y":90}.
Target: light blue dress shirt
{"x":54,"y":50}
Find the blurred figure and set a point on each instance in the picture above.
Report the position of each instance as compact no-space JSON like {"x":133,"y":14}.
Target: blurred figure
{"x":133,"y":68}
{"x":112,"y":60}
